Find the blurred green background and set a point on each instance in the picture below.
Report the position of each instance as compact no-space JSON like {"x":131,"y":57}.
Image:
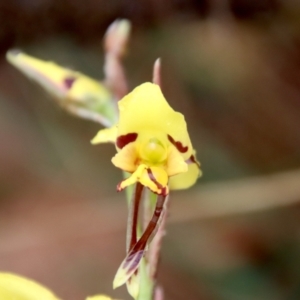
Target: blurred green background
{"x":233,"y":68}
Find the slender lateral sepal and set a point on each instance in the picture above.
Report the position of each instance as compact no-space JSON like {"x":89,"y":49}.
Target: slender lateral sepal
{"x":155,"y":247}
{"x":133,"y":216}
{"x":133,"y":285}
{"x":133,"y":258}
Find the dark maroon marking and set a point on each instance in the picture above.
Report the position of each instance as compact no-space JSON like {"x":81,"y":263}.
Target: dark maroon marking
{"x":178,"y":145}
{"x":164,"y":192}
{"x":152,"y":178}
{"x":192,"y":160}
{"x":160,"y":186}
{"x":137,"y":252}
{"x":69,"y":81}
{"x":124,"y":140}
{"x":136,"y":203}
{"x":134,"y":257}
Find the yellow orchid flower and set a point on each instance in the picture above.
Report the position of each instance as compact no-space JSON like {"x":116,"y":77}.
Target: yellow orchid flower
{"x":15,"y":287}
{"x":154,"y":147}
{"x":152,"y":142}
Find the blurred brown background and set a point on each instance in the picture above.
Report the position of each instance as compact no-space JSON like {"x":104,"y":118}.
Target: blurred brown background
{"x":233,"y":69}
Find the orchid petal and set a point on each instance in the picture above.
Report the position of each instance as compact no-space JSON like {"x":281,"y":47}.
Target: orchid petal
{"x":175,"y":163}
{"x":145,"y":109}
{"x":185,"y":180}
{"x":128,"y":267}
{"x":126,"y":158}
{"x":14,"y":287}
{"x":133,"y":285}
{"x":133,"y":178}
{"x":107,"y":135}
{"x":154,"y":178}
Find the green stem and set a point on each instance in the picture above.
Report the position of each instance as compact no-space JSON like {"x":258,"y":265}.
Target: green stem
{"x":146,"y":283}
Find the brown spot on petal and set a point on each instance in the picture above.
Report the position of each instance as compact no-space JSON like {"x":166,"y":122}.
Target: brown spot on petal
{"x":152,"y":178}
{"x":164,"y":190}
{"x":192,"y":160}
{"x":69,"y":81}
{"x":124,"y":140}
{"x":178,"y":145}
